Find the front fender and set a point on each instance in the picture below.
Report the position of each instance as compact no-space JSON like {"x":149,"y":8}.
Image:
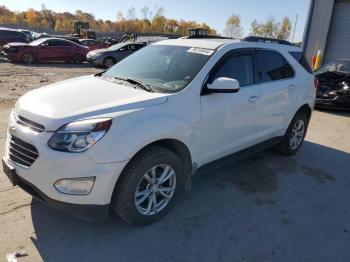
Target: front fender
{"x":129,"y":137}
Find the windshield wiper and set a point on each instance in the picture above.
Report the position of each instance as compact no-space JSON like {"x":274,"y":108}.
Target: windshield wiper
{"x":136,"y":83}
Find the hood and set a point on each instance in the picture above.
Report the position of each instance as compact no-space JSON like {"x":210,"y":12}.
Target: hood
{"x":88,"y":96}
{"x":97,"y":51}
{"x":17,"y":44}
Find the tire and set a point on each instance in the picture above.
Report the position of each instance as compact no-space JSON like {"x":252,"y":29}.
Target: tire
{"x":108,"y":62}
{"x":77,"y":59}
{"x":294,"y":131}
{"x":137,"y":208}
{"x":28,"y":58}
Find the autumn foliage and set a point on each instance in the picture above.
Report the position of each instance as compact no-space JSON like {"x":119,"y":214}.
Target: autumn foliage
{"x":49,"y":19}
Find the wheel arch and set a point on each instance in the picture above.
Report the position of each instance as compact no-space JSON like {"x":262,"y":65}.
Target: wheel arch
{"x":174,"y":145}
{"x":305,"y":108}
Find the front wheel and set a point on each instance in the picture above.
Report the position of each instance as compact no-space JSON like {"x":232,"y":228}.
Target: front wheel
{"x":294,"y":136}
{"x":146,"y":190}
{"x":28,"y":58}
{"x":108,"y":62}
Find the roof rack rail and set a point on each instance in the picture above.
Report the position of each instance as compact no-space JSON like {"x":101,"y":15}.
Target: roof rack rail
{"x":205,"y":37}
{"x":266,"y":40}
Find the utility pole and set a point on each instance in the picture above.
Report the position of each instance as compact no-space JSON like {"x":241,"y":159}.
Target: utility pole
{"x":295,"y":26}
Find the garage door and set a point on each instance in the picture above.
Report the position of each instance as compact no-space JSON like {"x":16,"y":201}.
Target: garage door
{"x":338,"y":41}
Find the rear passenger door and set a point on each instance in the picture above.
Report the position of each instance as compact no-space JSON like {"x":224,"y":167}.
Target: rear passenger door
{"x":277,"y":83}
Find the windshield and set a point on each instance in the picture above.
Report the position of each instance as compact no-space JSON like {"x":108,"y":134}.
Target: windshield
{"x":164,"y":68}
{"x":337,"y":66}
{"x":116,"y":47}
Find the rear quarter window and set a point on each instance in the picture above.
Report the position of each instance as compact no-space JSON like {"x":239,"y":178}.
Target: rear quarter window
{"x":300,"y":57}
{"x":272,"y":66}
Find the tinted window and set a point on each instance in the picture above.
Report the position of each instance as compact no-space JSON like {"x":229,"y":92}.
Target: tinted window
{"x":239,"y":67}
{"x":300,"y":57}
{"x":273,"y":66}
{"x":135,"y":47}
{"x":62,"y":43}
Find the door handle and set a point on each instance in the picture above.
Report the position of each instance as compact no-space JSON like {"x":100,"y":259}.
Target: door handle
{"x":253,"y":99}
{"x":291,"y":87}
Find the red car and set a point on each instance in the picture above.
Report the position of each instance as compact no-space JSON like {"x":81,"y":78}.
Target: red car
{"x":93,"y":44}
{"x":46,"y":49}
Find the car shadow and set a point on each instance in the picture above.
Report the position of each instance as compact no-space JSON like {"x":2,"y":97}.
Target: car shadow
{"x":242,"y":209}
{"x":337,"y":112}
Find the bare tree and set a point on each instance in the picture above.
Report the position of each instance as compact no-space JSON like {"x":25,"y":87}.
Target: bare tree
{"x":131,"y":14}
{"x":272,"y":28}
{"x":233,"y":27}
{"x":146,"y":13}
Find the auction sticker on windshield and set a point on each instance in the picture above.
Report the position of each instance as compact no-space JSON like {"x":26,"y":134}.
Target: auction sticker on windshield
{"x":202,"y":51}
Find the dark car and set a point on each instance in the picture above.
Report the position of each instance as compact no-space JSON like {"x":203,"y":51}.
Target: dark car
{"x":333,"y":87}
{"x":46,"y":49}
{"x":8,"y":35}
{"x":93,"y":44}
{"x":109,"y":56}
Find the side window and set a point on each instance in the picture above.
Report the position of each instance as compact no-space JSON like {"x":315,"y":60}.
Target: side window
{"x":124,"y":48}
{"x":239,"y":67}
{"x":272,"y":66}
{"x":62,"y":43}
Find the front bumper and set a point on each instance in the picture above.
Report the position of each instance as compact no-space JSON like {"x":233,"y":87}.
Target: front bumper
{"x":50,"y":166}
{"x":86,"y":212}
{"x":95,"y":61}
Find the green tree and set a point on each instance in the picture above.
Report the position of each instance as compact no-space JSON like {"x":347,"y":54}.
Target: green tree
{"x":233,"y":27}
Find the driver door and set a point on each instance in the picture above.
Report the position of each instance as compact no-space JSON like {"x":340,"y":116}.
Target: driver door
{"x":230,"y":121}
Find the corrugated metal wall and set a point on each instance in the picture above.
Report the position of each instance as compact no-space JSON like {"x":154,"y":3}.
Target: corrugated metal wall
{"x":319,"y":26}
{"x":338,"y":41}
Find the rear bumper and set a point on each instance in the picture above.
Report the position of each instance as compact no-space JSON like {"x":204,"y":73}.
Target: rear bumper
{"x":84,"y":211}
{"x":336,"y":103}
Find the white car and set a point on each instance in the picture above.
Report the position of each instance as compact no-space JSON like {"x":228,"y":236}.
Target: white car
{"x":130,"y":138}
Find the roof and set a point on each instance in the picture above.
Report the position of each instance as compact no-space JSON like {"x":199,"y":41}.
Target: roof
{"x":202,"y":43}
{"x":216,"y":43}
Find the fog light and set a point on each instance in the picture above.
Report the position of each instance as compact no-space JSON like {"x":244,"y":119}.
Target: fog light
{"x":75,"y":186}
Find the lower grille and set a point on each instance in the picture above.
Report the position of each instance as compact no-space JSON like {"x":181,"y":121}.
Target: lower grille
{"x":21,"y":152}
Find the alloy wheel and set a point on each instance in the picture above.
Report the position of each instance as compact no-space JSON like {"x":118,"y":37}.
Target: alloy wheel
{"x":155,"y":189}
{"x":297,"y":134}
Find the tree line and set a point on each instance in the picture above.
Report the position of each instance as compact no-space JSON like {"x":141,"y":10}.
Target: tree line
{"x":150,"y":21}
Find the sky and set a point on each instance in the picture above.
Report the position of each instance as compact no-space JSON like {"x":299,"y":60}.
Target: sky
{"x":213,"y":12}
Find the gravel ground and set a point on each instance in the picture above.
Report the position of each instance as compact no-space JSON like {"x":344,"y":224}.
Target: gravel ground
{"x":264,"y":208}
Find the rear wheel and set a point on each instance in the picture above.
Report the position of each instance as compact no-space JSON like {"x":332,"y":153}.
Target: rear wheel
{"x":28,"y":58}
{"x":108,"y":62}
{"x":146,"y":190}
{"x":294,"y":137}
{"x":77,"y":59}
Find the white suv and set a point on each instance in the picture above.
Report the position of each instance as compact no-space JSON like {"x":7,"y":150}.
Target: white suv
{"x":128,"y":139}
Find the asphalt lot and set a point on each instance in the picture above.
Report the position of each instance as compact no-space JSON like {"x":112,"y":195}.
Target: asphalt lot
{"x":264,"y":208}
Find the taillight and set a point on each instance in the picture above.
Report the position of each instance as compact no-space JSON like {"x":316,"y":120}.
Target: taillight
{"x":316,"y":83}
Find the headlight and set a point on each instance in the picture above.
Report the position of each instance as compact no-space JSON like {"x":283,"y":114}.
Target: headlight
{"x":79,"y":136}
{"x":75,"y":186}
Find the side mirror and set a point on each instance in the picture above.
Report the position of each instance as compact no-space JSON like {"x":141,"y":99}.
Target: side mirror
{"x":223,"y":85}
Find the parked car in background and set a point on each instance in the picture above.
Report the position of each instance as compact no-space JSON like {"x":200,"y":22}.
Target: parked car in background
{"x":109,"y":56}
{"x":29,"y":34}
{"x":46,"y":49}
{"x":9,"y":35}
{"x":334,"y":85}
{"x":93,"y":44}
{"x":129,"y":138}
